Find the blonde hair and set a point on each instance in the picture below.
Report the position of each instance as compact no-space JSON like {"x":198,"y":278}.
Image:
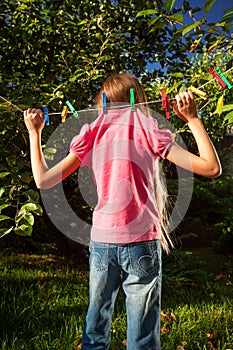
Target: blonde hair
{"x":117,"y":87}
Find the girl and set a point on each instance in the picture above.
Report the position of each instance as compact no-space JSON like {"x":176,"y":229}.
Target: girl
{"x":122,"y":147}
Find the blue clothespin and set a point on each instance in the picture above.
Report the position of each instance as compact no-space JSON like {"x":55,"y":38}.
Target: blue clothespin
{"x":104,"y":96}
{"x":132,"y":99}
{"x":75,"y":113}
{"x":46,"y":116}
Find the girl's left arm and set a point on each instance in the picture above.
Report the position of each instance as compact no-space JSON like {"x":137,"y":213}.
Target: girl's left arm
{"x":207,"y":163}
{"x":44,"y":177}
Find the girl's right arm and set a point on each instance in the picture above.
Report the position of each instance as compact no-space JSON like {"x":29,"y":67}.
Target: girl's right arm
{"x":43,"y":176}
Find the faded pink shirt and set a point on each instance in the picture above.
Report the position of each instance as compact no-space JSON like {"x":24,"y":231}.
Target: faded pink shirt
{"x":121,"y":148}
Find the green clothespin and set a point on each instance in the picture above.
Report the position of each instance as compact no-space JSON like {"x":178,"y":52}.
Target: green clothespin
{"x":75,"y":113}
{"x":222,"y":76}
{"x":132,"y":99}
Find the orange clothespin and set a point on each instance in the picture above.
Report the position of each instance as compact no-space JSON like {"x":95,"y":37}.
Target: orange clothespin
{"x":217,"y":77}
{"x":64,"y":113}
{"x":166,"y":103}
{"x":198,"y":92}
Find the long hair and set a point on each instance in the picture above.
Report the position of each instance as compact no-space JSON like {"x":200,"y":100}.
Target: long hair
{"x":117,"y":88}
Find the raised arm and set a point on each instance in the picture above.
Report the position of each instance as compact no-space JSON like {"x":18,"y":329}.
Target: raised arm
{"x":43,"y":176}
{"x":207,"y":163}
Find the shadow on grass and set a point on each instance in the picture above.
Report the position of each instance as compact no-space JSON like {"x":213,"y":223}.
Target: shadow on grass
{"x":44,"y":301}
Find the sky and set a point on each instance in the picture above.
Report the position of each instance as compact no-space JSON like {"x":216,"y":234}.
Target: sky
{"x":214,"y":15}
{"x":216,"y":12}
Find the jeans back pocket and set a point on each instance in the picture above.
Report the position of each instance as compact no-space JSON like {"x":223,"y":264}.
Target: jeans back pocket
{"x":145,"y":258}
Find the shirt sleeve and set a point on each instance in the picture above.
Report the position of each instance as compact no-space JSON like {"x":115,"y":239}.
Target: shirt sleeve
{"x":160,"y":140}
{"x":80,"y":143}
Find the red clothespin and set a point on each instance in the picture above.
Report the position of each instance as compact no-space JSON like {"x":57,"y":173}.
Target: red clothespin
{"x":217,"y":77}
{"x":168,"y":116}
{"x":166,"y":103}
{"x":163,"y":98}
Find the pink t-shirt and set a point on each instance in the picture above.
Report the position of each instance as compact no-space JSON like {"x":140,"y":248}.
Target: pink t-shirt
{"x":120,"y":148}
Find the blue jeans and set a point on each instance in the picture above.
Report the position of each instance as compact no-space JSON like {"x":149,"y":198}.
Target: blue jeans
{"x":138,"y":267}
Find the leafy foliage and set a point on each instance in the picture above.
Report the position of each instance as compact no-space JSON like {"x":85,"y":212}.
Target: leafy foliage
{"x":51,"y":51}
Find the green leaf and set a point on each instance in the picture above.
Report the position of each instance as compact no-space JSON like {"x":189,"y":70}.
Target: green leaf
{"x":26,"y":178}
{"x":228,"y":18}
{"x":3,"y":206}
{"x":24,"y":230}
{"x":153,"y":21}
{"x":190,"y":27}
{"x":59,"y":94}
{"x":51,"y":150}
{"x":169,"y":4}
{"x":156,"y":26}
{"x":229,"y":117}
{"x":36,"y":208}
{"x":224,"y":108}
{"x":230,"y":10}
{"x":177,"y":18}
{"x":4,"y":174}
{"x":20,"y":215}
{"x":208,"y":4}
{"x":32,"y":195}
{"x":29,"y":219}
{"x":5,"y":231}
{"x":146,"y":13}
{"x":4,"y":217}
{"x":177,"y":75}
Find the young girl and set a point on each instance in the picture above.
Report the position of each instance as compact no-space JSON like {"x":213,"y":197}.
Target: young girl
{"x":122,"y":147}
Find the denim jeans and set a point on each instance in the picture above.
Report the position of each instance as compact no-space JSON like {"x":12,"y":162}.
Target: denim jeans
{"x":137,"y":266}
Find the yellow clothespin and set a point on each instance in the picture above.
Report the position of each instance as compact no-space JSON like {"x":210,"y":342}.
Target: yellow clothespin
{"x":198,"y":92}
{"x":64,"y":113}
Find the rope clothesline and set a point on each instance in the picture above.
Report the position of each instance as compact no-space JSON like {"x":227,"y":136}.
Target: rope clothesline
{"x":115,"y":107}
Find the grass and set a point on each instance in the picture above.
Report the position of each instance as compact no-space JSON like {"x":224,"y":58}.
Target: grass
{"x":43,"y":302}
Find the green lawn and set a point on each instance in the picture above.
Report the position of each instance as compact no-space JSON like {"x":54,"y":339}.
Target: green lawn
{"x":44,"y":299}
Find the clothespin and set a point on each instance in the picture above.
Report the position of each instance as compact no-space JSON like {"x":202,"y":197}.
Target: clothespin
{"x":64,"y":113}
{"x":75,"y":113}
{"x":132,"y":99}
{"x":163,"y":98}
{"x":46,"y":116}
{"x":166,"y":103}
{"x":198,"y":92}
{"x":168,"y":116}
{"x":104,"y":100}
{"x":222,"y":76}
{"x":217,"y":77}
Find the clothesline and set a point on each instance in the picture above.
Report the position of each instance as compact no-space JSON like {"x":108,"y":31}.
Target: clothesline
{"x":114,"y":107}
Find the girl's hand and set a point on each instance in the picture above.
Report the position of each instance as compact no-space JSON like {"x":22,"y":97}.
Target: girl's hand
{"x":185,"y":106}
{"x":34,"y":119}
